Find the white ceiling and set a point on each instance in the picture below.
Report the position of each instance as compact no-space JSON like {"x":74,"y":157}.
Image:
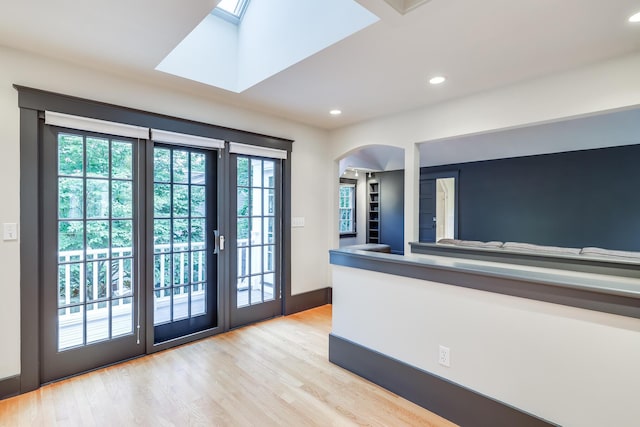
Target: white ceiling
{"x":610,"y":129}
{"x":383,"y":69}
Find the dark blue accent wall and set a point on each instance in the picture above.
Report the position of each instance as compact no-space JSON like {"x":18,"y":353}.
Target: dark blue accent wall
{"x":574,"y":199}
{"x":392,"y":209}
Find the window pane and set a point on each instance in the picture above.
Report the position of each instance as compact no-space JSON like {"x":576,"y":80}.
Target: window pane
{"x":269,"y":202}
{"x":198,"y":301}
{"x":256,"y":202}
{"x":243,"y":231}
{"x":97,"y":157}
{"x":243,"y":262}
{"x":161,"y":200}
{"x":70,"y":198}
{"x":269,"y":230}
{"x":122,"y":317}
{"x":346,"y":202}
{"x":121,"y":277}
{"x":122,"y":160}
{"x":256,"y":173}
{"x":70,"y":154}
{"x":180,"y":166}
{"x":243,"y":202}
{"x":96,"y":280}
{"x":70,"y":327}
{"x":122,"y":199}
{"x":256,"y":231}
{"x":256,"y":289}
{"x":70,"y":279}
{"x":161,"y":235}
{"x":197,"y":234}
{"x":97,"y":239}
{"x":269,"y":286}
{"x":98,"y":321}
{"x":70,"y":240}
{"x":180,"y":234}
{"x":180,"y":303}
{"x":181,"y":200}
{"x":198,"y":163}
{"x":269,"y":177}
{"x":256,"y":260}
{"x":269,"y":258}
{"x":180,"y":268}
{"x":97,"y":198}
{"x":198,"y":200}
{"x":161,"y":306}
{"x":161,"y":165}
{"x":122,"y":238}
{"x":243,"y":171}
{"x":161,"y":270}
{"x":198,"y":266}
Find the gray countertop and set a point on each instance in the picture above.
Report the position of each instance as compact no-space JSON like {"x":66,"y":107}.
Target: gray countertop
{"x":598,"y":283}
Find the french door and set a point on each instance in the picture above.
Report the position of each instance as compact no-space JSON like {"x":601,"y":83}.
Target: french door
{"x":255,"y":239}
{"x":91,"y":253}
{"x":130,"y":247}
{"x":185,"y":291}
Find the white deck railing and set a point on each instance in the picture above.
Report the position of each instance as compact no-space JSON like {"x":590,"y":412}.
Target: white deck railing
{"x":122,"y":284}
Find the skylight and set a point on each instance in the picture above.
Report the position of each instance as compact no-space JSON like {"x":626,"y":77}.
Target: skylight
{"x":231,"y":10}
{"x":269,"y":37}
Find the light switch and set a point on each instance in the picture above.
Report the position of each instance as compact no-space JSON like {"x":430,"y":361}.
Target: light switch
{"x":10,"y":231}
{"x":297,"y":221}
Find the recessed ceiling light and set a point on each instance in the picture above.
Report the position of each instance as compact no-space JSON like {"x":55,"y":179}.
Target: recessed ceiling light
{"x":437,"y":80}
{"x":635,"y":18}
{"x":335,"y":112}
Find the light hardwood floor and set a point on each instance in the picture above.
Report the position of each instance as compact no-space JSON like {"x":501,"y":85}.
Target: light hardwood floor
{"x":275,"y":373}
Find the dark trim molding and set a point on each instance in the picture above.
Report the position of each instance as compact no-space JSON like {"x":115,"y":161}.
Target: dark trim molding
{"x":40,"y":100}
{"x":447,"y":399}
{"x":602,"y":296}
{"x":9,"y":387}
{"x":307,"y":300}
{"x":30,"y":250}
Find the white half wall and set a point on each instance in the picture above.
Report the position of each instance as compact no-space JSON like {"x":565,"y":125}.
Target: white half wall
{"x":571,"y":366}
{"x":310,"y":175}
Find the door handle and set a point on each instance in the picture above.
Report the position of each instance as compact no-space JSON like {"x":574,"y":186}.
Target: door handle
{"x":218,"y":242}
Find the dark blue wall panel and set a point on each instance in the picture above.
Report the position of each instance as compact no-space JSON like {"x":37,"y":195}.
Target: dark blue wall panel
{"x":574,"y":199}
{"x":392,"y":209}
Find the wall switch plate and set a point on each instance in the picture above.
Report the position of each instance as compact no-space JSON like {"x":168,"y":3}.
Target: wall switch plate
{"x":444,"y":356}
{"x":297,"y":221}
{"x":10,"y":231}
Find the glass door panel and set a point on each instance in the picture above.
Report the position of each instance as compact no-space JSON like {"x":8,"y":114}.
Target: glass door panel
{"x":185,"y":284}
{"x":255,"y":240}
{"x":91,"y":282}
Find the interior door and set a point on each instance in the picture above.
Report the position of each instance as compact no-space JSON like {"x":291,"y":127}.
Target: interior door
{"x":90,"y":272}
{"x":427,"y":217}
{"x":255,"y":239}
{"x":185,"y":294}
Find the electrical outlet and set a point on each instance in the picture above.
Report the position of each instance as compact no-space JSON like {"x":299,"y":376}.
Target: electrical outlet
{"x":444,"y":356}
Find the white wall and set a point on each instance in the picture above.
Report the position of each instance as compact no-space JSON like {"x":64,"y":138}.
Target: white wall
{"x":311,"y":179}
{"x":570,"y":366}
{"x":604,"y":86}
{"x":592,"y":358}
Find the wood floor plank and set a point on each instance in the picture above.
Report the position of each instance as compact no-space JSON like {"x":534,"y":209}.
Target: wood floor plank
{"x":274,"y":373}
